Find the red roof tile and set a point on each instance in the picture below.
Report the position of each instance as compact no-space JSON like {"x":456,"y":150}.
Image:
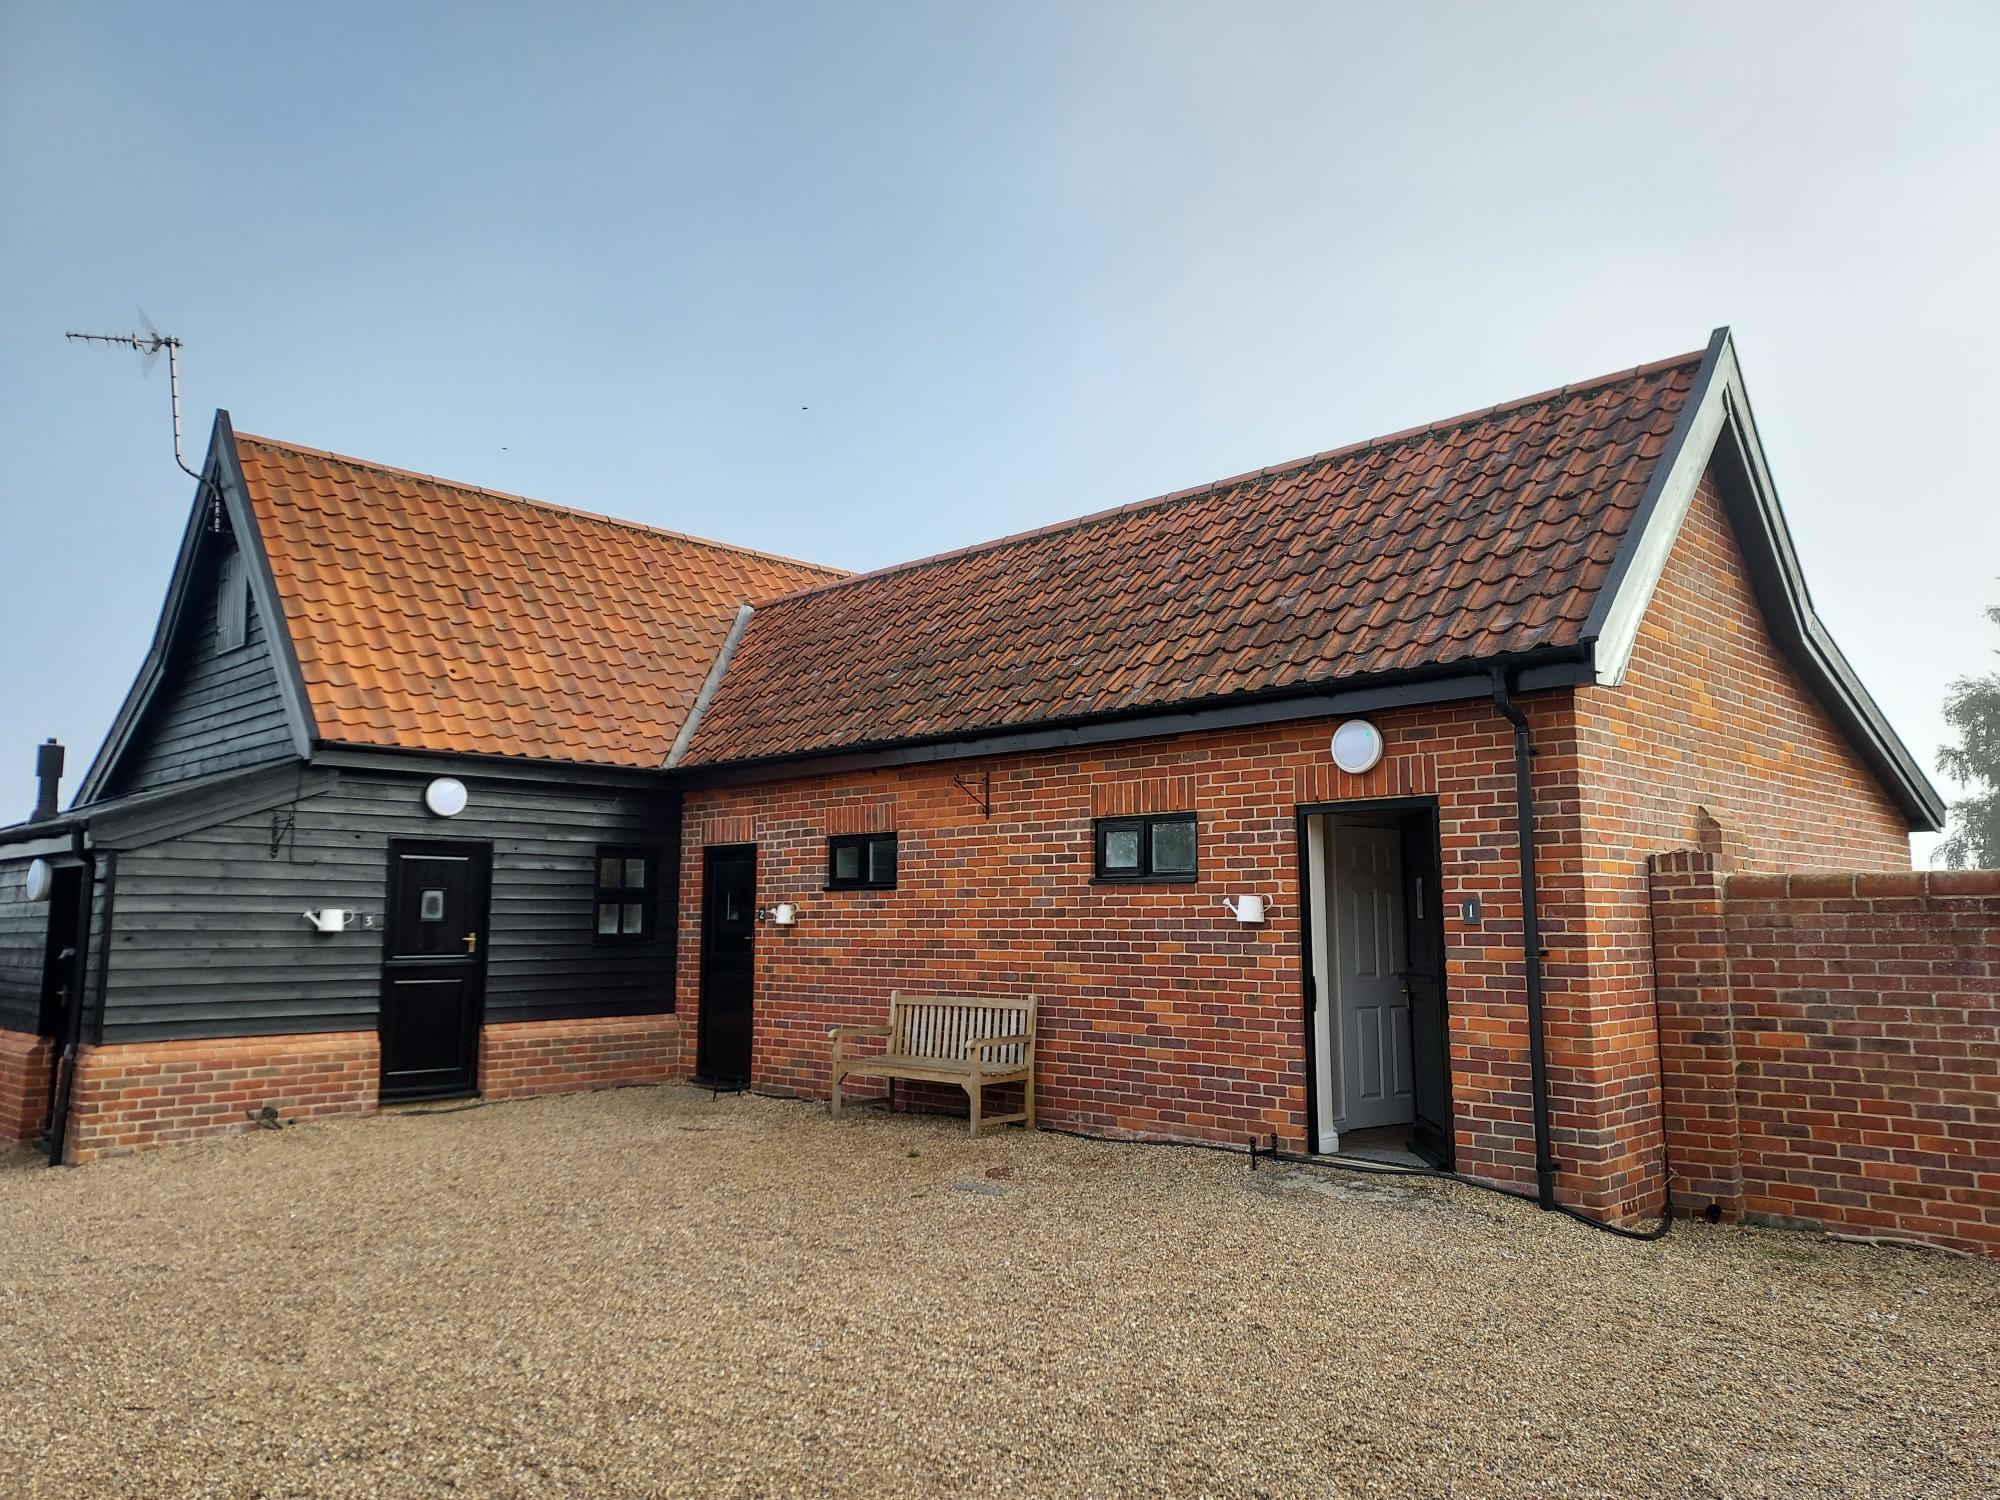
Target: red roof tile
{"x":1482,"y":536}
{"x":428,"y":615}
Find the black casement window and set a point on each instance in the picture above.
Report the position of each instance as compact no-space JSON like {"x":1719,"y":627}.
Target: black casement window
{"x":626,"y":891}
{"x":861,"y":862}
{"x":1157,"y":847}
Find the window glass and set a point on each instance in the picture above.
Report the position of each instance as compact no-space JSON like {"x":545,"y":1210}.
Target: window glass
{"x":625,"y":888}
{"x":861,"y":861}
{"x":430,"y":906}
{"x":1159,"y":846}
{"x":882,"y":861}
{"x":1173,"y":846}
{"x":1121,"y":849}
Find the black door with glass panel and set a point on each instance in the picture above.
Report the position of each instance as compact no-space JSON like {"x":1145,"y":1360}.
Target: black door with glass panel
{"x":728,"y":926}
{"x":434,"y":967}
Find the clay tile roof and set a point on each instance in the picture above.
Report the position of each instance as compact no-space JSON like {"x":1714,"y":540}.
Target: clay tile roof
{"x":428,"y":615}
{"x":1477,"y":537}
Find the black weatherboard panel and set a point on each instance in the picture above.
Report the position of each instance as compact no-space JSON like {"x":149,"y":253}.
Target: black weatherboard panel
{"x":214,"y":709}
{"x":210,"y":939}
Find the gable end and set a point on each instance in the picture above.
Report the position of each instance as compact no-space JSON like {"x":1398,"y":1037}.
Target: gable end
{"x":1717,"y":431}
{"x":213,"y":692}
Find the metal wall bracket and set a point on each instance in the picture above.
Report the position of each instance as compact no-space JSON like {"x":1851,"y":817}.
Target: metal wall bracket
{"x":979,"y":788}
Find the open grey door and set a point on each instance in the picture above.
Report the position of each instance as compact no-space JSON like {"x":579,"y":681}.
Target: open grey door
{"x":1368,"y":969}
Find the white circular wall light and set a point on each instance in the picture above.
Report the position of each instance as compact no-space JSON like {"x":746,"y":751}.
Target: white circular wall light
{"x":446,"y":796}
{"x":40,"y":880}
{"x":1357,"y":746}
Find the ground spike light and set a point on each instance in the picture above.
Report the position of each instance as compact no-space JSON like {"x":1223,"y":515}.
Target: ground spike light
{"x":150,"y":343}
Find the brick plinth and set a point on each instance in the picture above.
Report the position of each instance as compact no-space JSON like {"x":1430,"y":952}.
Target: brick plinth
{"x":25,"y":1060}
{"x":134,"y":1096}
{"x":1833,"y":1047}
{"x":520,"y":1058}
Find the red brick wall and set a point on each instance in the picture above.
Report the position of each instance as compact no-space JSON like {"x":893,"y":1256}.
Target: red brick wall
{"x":1711,"y":741}
{"x":131,"y":1097}
{"x":1160,"y":1015}
{"x":25,"y":1060}
{"x":519,"y":1058}
{"x":1833,"y":1047}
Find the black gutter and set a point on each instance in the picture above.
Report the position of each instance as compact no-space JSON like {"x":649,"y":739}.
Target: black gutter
{"x":1531,"y":936}
{"x":1545,"y":667}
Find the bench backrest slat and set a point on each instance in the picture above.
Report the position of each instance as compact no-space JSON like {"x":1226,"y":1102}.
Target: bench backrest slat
{"x":942,"y":1026}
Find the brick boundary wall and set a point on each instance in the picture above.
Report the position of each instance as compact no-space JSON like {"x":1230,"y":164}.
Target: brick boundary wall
{"x":1831,"y":1045}
{"x":522,"y":1058}
{"x":25,"y":1060}
{"x":135,"y":1096}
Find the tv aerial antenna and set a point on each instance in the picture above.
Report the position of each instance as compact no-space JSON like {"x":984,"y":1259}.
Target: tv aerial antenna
{"x":151,"y":344}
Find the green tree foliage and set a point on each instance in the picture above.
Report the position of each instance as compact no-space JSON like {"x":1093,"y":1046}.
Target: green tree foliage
{"x":1973,"y":710}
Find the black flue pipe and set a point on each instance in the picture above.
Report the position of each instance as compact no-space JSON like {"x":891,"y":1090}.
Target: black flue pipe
{"x":48,"y":777}
{"x":1531,"y":936}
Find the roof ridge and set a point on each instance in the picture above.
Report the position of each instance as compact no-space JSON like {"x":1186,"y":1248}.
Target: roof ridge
{"x":1234,"y":481}
{"x":507,"y":496}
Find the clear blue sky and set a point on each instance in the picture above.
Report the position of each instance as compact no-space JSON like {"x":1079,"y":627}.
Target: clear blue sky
{"x":859,"y":282}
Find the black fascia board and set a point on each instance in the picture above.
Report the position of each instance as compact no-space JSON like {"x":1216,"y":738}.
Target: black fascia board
{"x":417,"y":762}
{"x":235,"y":493}
{"x":1550,"y":667}
{"x":1804,"y":641}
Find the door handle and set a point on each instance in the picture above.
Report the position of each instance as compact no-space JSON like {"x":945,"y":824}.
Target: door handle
{"x":472,"y":942}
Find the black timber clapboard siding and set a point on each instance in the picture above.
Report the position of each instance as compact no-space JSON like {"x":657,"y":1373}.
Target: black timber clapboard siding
{"x":213,"y":710}
{"x":24,"y":931}
{"x":208,"y":936}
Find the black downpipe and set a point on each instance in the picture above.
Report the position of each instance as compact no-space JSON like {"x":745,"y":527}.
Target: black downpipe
{"x":1531,"y":937}
{"x":73,"y":1041}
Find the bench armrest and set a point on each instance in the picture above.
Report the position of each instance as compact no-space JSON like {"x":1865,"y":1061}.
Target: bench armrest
{"x":977,"y":1044}
{"x":842,"y":1033}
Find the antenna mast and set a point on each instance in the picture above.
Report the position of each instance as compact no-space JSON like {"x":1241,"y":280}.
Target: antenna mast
{"x":150,"y":343}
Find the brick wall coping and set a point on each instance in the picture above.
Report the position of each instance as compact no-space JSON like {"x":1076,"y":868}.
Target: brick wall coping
{"x":1837,"y":883}
{"x":583,"y":1025}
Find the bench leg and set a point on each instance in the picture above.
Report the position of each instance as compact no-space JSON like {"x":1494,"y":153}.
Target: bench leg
{"x":1028,"y":1100}
{"x":836,"y":1091}
{"x":972,"y":1093}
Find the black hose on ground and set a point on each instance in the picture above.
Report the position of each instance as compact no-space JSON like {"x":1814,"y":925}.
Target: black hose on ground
{"x":1375,"y":1169}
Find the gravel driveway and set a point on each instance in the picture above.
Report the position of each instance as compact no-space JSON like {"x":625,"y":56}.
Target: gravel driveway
{"x":655,"y":1293}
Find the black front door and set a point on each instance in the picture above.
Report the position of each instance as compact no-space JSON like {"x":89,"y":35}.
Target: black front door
{"x":728,"y":922}
{"x":433,"y":967}
{"x":1423,"y":975}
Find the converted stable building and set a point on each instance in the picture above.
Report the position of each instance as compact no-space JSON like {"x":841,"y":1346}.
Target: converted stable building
{"x":1234,"y":781}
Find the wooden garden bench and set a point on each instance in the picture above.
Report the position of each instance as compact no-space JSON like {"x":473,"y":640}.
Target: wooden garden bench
{"x":974,"y":1043}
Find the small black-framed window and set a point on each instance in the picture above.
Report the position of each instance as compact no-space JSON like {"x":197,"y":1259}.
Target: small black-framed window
{"x":627,"y":891}
{"x":232,"y":604}
{"x":1160,"y":846}
{"x":861,"y":862}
